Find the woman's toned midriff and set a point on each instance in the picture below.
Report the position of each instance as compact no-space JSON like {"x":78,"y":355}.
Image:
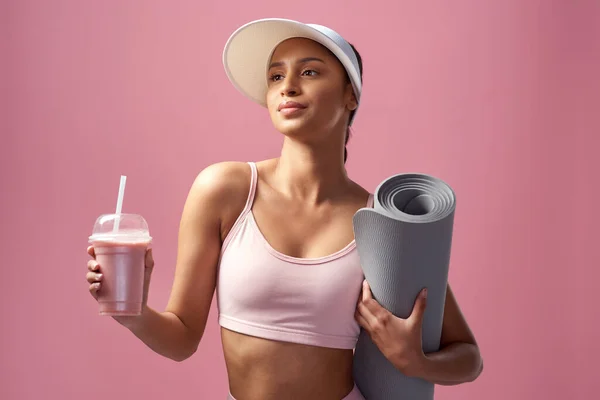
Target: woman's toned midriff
{"x":268,"y":370}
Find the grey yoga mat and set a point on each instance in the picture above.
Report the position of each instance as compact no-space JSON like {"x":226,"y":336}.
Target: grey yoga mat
{"x":404,"y":243}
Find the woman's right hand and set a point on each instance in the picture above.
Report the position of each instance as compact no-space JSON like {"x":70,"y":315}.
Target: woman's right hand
{"x":94,"y":278}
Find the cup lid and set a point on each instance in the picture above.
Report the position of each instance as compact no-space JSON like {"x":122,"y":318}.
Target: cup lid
{"x":121,"y":227}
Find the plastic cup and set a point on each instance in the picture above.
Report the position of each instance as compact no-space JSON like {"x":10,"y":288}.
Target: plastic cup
{"x":120,"y":242}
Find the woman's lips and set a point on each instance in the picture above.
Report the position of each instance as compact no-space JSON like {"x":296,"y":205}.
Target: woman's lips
{"x":290,"y":104}
{"x":290,"y":107}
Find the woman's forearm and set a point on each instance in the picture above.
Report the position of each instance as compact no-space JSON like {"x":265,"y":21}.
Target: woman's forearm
{"x":164,"y":333}
{"x":452,"y":365}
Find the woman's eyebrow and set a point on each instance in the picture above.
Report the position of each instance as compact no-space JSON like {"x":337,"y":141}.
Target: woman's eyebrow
{"x":301,"y":61}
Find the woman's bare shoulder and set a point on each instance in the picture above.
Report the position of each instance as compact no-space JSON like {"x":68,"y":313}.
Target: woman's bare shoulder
{"x":224,"y":179}
{"x":360,"y":192}
{"x":224,"y":187}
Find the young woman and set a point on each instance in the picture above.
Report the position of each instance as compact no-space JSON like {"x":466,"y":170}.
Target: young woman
{"x":275,"y":240}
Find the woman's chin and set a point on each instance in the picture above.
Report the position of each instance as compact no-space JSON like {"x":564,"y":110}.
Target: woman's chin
{"x":292,"y":127}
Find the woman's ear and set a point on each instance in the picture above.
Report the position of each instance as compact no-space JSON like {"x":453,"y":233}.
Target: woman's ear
{"x":351,"y":103}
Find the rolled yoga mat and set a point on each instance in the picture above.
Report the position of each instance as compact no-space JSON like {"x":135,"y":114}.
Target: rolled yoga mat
{"x":404,"y":245}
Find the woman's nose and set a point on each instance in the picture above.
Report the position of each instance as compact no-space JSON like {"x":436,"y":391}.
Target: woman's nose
{"x":290,"y":87}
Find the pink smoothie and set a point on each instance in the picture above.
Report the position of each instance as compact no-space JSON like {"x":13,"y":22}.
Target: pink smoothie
{"x":122,"y":266}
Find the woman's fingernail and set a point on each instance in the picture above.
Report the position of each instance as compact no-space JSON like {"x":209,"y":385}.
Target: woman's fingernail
{"x":425,"y":292}
{"x":99,"y":276}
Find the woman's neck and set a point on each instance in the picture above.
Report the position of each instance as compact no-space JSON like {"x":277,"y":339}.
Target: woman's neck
{"x":310,"y":172}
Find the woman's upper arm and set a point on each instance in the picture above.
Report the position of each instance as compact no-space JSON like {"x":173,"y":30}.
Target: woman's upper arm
{"x":454,"y":326}
{"x":216,"y":189}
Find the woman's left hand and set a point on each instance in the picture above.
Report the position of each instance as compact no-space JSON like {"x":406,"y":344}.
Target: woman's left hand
{"x":398,"y":339}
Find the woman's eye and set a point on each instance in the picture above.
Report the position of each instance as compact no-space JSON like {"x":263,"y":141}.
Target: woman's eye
{"x":308,"y":72}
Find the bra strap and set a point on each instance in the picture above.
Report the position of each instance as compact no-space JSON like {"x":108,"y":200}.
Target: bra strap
{"x":252,"y":192}
{"x":370,"y":201}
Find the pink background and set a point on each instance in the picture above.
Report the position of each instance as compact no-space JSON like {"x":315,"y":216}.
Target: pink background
{"x":497,"y":98}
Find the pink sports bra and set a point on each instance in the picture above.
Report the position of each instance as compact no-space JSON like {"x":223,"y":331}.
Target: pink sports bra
{"x":262,"y":292}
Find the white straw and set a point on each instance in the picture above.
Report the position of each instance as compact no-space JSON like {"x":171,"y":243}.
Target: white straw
{"x":120,"y":202}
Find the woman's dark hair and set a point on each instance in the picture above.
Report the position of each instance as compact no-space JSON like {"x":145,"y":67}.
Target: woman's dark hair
{"x":360,"y":66}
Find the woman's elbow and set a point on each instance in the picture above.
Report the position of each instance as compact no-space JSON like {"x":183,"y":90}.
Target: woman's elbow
{"x":478,"y":371}
{"x":187,"y":351}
